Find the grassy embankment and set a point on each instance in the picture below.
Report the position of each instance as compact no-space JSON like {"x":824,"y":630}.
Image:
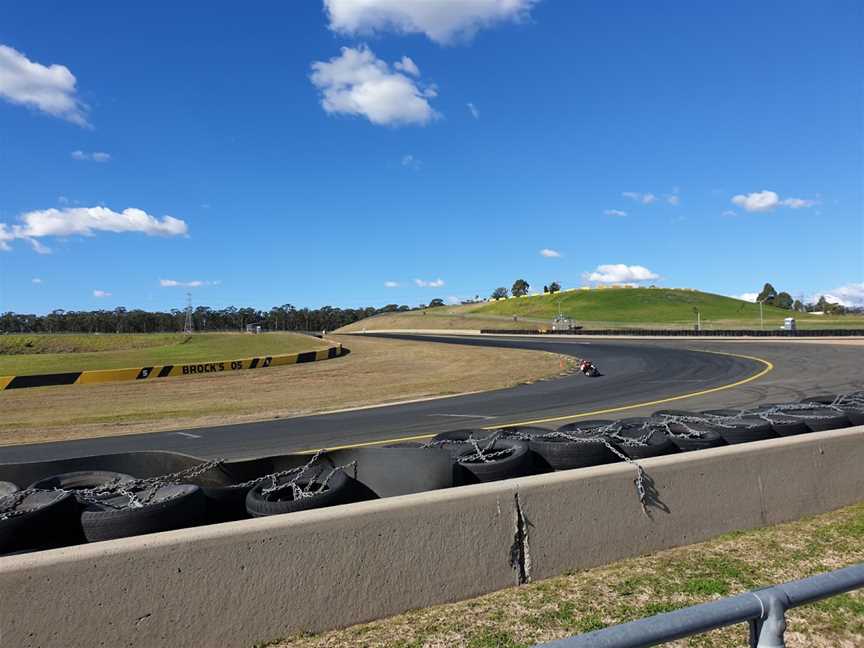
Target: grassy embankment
{"x":606,"y":308}
{"x":588,"y":600}
{"x":34,"y":354}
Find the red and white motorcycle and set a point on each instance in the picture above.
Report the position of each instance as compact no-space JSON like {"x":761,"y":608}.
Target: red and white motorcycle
{"x":587,"y":367}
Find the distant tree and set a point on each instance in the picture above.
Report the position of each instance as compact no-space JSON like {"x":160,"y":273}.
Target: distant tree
{"x":500,"y":293}
{"x":783,"y":300}
{"x":798,"y":306}
{"x":520,"y":288}
{"x":829,"y":307}
{"x":545,"y":289}
{"x":767,"y":295}
{"x":436,"y":302}
{"x":554,"y":287}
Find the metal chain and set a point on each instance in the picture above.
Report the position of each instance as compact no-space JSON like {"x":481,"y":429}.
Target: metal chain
{"x":139,"y":493}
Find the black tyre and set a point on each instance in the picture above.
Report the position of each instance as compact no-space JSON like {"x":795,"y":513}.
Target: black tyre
{"x":225,"y":487}
{"x":675,"y":413}
{"x":336,"y":491}
{"x":817,"y":419}
{"x":81,"y":480}
{"x":590,"y":427}
{"x":171,"y":507}
{"x":42,"y":520}
{"x":694,"y":435}
{"x":500,"y":459}
{"x":639,"y":439}
{"x":463,"y":435}
{"x":781,"y":424}
{"x":744,"y":430}
{"x":725,"y":413}
{"x":7,"y":488}
{"x":581,"y":451}
{"x":525,"y":433}
{"x":456,"y":441}
{"x":852,"y":408}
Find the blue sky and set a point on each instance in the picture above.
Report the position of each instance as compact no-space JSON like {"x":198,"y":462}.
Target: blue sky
{"x":303,"y":160}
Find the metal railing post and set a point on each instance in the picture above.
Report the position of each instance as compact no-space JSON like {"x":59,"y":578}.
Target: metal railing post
{"x":768,"y":630}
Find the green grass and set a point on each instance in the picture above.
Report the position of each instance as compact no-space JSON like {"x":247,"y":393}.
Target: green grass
{"x":35,"y":354}
{"x":634,"y":307}
{"x":80,"y":343}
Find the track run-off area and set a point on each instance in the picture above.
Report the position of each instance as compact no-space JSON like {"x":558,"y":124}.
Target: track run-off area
{"x":638,"y":377}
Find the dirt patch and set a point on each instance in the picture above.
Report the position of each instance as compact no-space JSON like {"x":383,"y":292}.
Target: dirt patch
{"x":375,"y":372}
{"x":632,"y":589}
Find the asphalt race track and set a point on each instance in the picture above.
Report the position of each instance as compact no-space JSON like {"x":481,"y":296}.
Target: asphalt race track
{"x":635,"y":372}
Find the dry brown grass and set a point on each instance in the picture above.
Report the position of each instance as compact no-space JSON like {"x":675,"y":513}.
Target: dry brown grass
{"x":632,"y":589}
{"x":375,"y":372}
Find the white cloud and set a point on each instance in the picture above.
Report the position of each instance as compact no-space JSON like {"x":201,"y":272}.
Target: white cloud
{"x":86,"y":221}
{"x":99,"y":294}
{"x":5,"y":236}
{"x":391,"y":284}
{"x":36,"y":280}
{"x":729,"y":213}
{"x":407,"y":66}
{"x":196,"y":283}
{"x":550,"y":254}
{"x":673,"y":199}
{"x":620,"y":273}
{"x":38,"y":247}
{"x":765,"y":201}
{"x":434,"y":283}
{"x":443,"y":21}
{"x":798,"y":203}
{"x":748,"y":297}
{"x":615,"y":212}
{"x":96,"y":156}
{"x":50,"y":89}
{"x":411,"y":162}
{"x":851,"y":294}
{"x":644,"y":198}
{"x":473,"y":110}
{"x":358,"y":83}
{"x":758,"y":201}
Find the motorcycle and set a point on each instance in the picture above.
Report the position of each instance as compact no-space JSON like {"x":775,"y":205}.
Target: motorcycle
{"x":587,"y":367}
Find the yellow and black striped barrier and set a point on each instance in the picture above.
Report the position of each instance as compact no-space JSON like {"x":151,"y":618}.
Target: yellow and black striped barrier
{"x":97,"y":376}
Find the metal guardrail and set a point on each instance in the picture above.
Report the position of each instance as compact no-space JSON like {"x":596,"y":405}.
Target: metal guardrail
{"x":765,"y":611}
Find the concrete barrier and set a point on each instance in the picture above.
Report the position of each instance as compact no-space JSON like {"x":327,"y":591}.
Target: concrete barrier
{"x":238,"y":583}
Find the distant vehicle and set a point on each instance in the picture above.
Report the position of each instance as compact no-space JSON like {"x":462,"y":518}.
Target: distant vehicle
{"x":561,"y":323}
{"x":789,"y":324}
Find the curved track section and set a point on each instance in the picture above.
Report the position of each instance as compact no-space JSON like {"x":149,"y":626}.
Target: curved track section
{"x":638,"y":377}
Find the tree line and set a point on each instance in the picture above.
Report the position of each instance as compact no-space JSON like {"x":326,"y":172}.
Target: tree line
{"x":770,"y":297}
{"x":204,"y":318}
{"x":520,"y":288}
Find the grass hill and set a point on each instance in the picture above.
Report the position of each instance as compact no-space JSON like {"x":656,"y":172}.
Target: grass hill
{"x":605,"y":308}
{"x":46,"y":353}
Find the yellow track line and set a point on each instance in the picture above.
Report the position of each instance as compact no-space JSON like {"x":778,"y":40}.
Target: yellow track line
{"x":769,"y":366}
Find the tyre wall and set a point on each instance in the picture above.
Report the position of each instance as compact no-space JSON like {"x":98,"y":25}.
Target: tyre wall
{"x":239,"y":583}
{"x":166,"y":371}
